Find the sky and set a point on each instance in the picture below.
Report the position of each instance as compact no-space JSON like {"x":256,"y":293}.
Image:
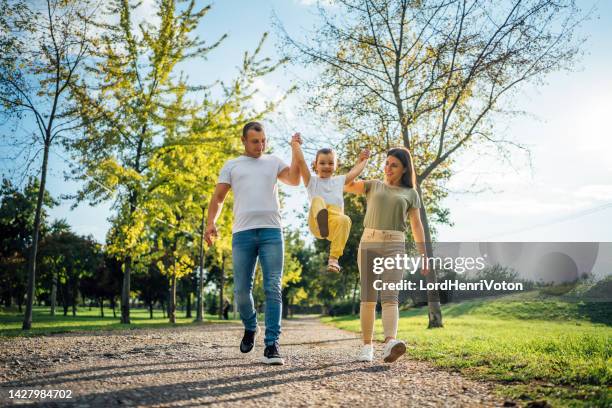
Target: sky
{"x":564,"y":194}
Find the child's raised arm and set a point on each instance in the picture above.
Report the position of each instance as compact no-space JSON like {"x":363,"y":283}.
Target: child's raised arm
{"x":358,"y":168}
{"x":297,"y":152}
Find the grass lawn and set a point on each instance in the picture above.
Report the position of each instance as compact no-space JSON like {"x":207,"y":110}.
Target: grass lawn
{"x":43,"y":323}
{"x":535,"y":347}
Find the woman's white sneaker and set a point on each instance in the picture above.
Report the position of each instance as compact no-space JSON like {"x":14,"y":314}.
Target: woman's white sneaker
{"x":367,"y":353}
{"x":394,"y":349}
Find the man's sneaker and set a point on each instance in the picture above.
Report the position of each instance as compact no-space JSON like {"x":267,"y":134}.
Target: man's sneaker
{"x":394,"y":349}
{"x":272,"y":355}
{"x":248,"y":340}
{"x":367,"y":353}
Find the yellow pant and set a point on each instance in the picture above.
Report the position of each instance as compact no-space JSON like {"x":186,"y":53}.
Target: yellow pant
{"x":339,"y":225}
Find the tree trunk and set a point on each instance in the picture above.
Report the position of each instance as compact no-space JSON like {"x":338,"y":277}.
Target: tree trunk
{"x":150,"y":310}
{"x":53,"y":293}
{"x":200,"y":305}
{"x":286,"y":305}
{"x":172,"y":305}
{"x":188,"y":306}
{"x":235,"y":307}
{"x":27,"y":319}
{"x":125,"y":291}
{"x":222,"y":279}
{"x":102,"y":307}
{"x":433,"y":296}
{"x":64,"y":300}
{"x":353,"y":304}
{"x":112,"y":302}
{"x":74,"y":300}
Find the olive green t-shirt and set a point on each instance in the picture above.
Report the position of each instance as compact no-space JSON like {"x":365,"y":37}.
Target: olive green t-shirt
{"x":388,"y":205}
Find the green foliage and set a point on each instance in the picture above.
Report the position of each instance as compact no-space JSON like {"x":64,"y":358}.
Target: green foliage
{"x":430,"y":76}
{"x":153,"y":141}
{"x":68,"y":258}
{"x":17,"y":210}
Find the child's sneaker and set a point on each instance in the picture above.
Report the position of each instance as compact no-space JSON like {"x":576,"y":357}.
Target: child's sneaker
{"x":333,"y":265}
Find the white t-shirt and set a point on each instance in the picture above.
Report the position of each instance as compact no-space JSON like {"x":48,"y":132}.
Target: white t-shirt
{"x":255,"y":186}
{"x":330,"y":189}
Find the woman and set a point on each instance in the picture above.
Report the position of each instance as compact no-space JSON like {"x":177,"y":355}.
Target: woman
{"x":388,"y":206}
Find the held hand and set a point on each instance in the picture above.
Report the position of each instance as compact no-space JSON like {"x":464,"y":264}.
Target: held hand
{"x":364,"y":155}
{"x":296,"y":140}
{"x":210,"y":234}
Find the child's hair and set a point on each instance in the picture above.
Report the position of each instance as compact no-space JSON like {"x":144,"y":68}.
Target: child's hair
{"x":325,"y":150}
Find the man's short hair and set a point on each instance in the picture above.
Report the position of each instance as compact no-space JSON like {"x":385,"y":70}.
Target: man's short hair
{"x":256,"y":126}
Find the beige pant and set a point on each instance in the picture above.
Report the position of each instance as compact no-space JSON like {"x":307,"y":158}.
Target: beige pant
{"x":379,"y":244}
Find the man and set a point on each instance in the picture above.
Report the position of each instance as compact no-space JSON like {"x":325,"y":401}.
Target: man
{"x":256,"y":232}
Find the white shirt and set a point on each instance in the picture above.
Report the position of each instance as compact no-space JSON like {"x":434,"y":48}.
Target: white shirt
{"x":330,"y":189}
{"x":255,"y":186}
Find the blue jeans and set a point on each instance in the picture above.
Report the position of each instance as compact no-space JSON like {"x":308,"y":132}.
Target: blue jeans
{"x":267,"y":245}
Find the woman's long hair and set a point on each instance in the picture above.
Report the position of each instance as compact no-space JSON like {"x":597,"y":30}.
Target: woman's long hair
{"x":403,"y":155}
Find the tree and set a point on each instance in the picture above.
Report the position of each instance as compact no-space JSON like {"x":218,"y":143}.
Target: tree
{"x":101,"y":284}
{"x":174,"y":263}
{"x":433,"y":76}
{"x":51,"y":262}
{"x":297,"y":255}
{"x":17,"y":215}
{"x":42,"y":55}
{"x":69,"y":258}
{"x":133,"y":109}
{"x":122,"y":111}
{"x":152,"y":287}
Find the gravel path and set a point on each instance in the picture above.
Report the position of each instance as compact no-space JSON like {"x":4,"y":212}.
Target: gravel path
{"x":201,"y":366}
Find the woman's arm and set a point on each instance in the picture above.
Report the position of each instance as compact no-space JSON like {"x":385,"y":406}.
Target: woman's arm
{"x":355,"y":187}
{"x":358,"y":168}
{"x":418,"y":233}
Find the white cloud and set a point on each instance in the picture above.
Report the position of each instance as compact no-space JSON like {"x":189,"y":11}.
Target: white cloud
{"x":598,"y":192}
{"x":146,"y":12}
{"x":324,"y":3}
{"x":266,"y":92}
{"x":282,"y":121}
{"x":547,"y":201}
{"x":521,"y":206}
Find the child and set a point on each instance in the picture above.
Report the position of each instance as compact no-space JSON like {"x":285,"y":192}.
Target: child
{"x":326,"y":218}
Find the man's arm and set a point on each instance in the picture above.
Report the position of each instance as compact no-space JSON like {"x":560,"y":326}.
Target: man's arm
{"x":291,"y":175}
{"x":304,"y":170}
{"x":214,"y":209}
{"x":358,"y":168}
